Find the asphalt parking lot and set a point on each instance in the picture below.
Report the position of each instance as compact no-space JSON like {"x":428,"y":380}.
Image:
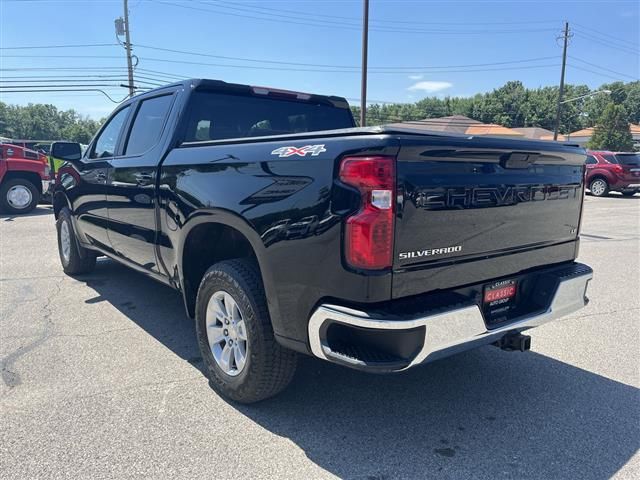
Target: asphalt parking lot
{"x":101,"y":379}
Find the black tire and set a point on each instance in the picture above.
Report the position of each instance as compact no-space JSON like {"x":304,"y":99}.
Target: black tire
{"x":599,"y":187}
{"x":269,"y":367}
{"x":628,"y":194}
{"x":10,"y":185}
{"x":78,"y":259}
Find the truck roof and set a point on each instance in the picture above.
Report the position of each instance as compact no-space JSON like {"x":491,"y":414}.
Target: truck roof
{"x":222,"y":86}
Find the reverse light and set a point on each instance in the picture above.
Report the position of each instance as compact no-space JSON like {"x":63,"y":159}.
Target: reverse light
{"x":369,"y":231}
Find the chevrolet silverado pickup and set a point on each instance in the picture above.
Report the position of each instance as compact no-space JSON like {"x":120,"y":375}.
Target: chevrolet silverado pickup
{"x":288,"y":230}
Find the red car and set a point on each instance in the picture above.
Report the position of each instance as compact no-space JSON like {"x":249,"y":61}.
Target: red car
{"x":25,"y":176}
{"x":613,"y":172}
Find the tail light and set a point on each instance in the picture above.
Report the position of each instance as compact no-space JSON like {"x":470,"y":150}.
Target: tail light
{"x":617,"y":169}
{"x":369,"y":231}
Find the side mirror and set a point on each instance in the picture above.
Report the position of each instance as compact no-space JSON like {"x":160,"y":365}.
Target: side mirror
{"x":66,"y":151}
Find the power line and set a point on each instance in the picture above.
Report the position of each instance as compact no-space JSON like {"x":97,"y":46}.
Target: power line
{"x":318,"y":23}
{"x":409,"y":69}
{"x":83,"y":69}
{"x":598,"y":32}
{"x":38,"y":47}
{"x":46,"y":78}
{"x":603,"y":68}
{"x":278,"y":62}
{"x":45,"y":90}
{"x":260,"y":67}
{"x":80,"y":85}
{"x":62,"y":56}
{"x":357,"y":20}
{"x":606,"y":43}
{"x":593,"y":71}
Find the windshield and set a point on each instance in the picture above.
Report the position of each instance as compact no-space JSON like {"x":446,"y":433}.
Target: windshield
{"x":216,"y":116}
{"x":628,"y":158}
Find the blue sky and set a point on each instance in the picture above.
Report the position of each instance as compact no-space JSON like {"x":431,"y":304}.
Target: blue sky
{"x":314,"y":46}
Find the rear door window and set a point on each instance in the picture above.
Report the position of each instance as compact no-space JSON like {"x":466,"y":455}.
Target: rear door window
{"x":148,"y":124}
{"x":217,"y":116}
{"x":591,"y":160}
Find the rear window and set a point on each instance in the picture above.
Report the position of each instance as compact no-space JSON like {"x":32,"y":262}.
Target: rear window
{"x":217,"y":116}
{"x":610,"y":158}
{"x":628,"y":158}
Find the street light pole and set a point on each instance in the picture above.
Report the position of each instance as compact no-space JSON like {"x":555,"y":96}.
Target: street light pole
{"x":365,"y":42}
{"x":607,"y":92}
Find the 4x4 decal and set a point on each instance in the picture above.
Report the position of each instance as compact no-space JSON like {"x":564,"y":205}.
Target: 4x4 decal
{"x":314,"y":150}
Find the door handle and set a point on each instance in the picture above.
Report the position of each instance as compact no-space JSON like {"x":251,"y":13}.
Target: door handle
{"x":143,"y":179}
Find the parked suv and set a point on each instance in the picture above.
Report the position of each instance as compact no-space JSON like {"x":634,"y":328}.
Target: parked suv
{"x":610,"y":171}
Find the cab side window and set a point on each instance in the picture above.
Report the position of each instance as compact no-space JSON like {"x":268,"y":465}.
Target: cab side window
{"x":147,"y":126}
{"x":107,"y":141}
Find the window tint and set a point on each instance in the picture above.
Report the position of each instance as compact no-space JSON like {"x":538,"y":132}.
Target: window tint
{"x":148,"y":124}
{"x":216,"y":116}
{"x":591,"y":160}
{"x":629,"y":158}
{"x":105,"y":145}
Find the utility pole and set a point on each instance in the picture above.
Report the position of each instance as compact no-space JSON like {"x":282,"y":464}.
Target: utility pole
{"x":128,"y":47}
{"x":561,"y":92}
{"x":365,"y":42}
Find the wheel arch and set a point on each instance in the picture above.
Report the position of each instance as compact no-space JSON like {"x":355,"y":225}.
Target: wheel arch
{"x":32,"y":177}
{"x":210,"y":237}
{"x":59,"y":201}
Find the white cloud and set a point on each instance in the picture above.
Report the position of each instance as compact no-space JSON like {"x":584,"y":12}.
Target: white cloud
{"x":416,"y":77}
{"x":430,"y":87}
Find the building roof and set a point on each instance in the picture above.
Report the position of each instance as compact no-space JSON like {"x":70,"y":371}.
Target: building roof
{"x":492,"y":129}
{"x":588,"y":132}
{"x":585,"y":132}
{"x":452,"y":123}
{"x":561,"y":138}
{"x":534,"y":132}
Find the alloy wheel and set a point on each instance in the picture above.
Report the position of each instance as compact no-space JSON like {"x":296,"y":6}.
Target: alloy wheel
{"x":226,"y":333}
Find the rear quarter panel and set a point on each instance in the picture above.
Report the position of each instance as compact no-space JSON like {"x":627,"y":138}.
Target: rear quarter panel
{"x":283,"y":206}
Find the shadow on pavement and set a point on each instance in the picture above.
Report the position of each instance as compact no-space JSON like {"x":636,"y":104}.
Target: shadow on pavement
{"x":618,"y":196}
{"x":38,"y":211}
{"x":481,"y":414}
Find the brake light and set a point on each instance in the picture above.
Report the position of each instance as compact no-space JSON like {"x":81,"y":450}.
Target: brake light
{"x":617,"y":169}
{"x":369,"y":231}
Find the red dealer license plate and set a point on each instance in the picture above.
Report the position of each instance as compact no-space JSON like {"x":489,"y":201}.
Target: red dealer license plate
{"x":500,"y":292}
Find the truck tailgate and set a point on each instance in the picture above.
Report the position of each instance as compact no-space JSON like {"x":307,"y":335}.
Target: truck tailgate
{"x":472,"y":209}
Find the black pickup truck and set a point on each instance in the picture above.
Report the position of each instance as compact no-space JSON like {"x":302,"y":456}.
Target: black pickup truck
{"x":287,"y":229}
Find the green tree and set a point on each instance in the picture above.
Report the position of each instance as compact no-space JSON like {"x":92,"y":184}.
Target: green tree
{"x":612,"y":130}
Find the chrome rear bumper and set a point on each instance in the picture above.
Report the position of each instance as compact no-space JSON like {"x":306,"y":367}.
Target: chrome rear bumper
{"x":444,"y":332}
